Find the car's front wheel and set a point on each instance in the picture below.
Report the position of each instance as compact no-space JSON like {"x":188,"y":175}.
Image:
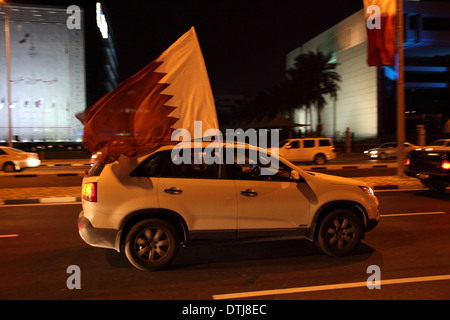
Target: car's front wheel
{"x":151,"y":244}
{"x":340,"y":233}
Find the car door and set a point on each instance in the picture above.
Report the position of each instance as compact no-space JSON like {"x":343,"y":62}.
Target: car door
{"x":309,"y":149}
{"x":3,"y":158}
{"x":291,"y":150}
{"x":199,"y":194}
{"x":269,"y":204}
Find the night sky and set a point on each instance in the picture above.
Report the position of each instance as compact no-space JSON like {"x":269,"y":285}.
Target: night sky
{"x":244,"y":42}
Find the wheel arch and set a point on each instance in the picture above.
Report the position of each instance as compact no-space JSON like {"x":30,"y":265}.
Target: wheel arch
{"x":325,"y":209}
{"x":9,"y":162}
{"x":167,"y":215}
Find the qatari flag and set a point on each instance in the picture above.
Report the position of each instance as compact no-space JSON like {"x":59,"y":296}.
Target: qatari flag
{"x":141,"y":113}
{"x":380,"y":24}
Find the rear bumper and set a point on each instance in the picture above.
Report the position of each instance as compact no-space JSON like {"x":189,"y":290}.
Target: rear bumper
{"x":428,"y":176}
{"x":98,"y":237}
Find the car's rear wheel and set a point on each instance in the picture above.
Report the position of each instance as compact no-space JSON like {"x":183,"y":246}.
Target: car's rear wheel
{"x":9,"y":167}
{"x":340,"y":233}
{"x":320,"y":159}
{"x":151,"y":244}
{"x":435,"y":185}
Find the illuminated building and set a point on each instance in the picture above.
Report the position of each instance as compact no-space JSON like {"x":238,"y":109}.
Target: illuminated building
{"x":366,"y":102}
{"x":62,"y":60}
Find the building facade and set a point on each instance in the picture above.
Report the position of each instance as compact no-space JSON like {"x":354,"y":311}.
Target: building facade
{"x":62,"y":60}
{"x":366,"y":101}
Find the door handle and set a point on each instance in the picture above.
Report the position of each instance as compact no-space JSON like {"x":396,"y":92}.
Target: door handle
{"x":249,"y":193}
{"x":173,"y":190}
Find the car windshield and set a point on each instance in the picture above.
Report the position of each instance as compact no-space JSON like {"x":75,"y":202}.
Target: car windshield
{"x":282,"y":143}
{"x":386,"y":145}
{"x":438,"y":143}
{"x":16,"y":150}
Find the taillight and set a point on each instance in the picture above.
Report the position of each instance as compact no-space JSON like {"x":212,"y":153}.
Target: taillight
{"x":408,"y":161}
{"x":32,"y":156}
{"x":89,"y":191}
{"x":445,"y":165}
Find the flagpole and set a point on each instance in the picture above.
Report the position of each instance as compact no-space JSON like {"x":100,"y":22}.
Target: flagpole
{"x":400,"y":93}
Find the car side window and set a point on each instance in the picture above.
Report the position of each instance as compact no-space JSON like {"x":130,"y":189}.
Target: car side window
{"x":295,"y":144}
{"x":152,"y":166}
{"x":308,"y":143}
{"x":251,"y":170}
{"x":2,"y":152}
{"x":324,"y":143}
{"x":194,"y":169}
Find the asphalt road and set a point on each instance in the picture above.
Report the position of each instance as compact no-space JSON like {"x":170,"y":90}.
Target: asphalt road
{"x":38,"y":243}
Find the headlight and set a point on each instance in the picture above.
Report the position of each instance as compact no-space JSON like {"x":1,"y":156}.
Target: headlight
{"x":367,"y":190}
{"x":374,"y":152}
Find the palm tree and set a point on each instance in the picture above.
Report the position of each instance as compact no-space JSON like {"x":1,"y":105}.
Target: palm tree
{"x":315,"y":76}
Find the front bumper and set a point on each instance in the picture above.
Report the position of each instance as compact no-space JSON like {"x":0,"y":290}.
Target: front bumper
{"x":98,"y":237}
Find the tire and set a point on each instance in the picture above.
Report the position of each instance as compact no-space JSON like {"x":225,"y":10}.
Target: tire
{"x":320,"y":159}
{"x":383,"y":156}
{"x":9,"y":167}
{"x":151,"y":244}
{"x":340,"y":233}
{"x":436,"y":185}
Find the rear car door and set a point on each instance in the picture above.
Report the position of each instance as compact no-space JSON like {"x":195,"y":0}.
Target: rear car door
{"x":199,"y":194}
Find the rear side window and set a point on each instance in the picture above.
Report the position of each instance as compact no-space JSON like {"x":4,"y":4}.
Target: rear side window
{"x":195,"y":168}
{"x":308,"y":143}
{"x":152,"y":166}
{"x":96,"y":169}
{"x":324,"y":143}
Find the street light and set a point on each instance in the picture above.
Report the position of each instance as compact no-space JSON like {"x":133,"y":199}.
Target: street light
{"x":8,"y":71}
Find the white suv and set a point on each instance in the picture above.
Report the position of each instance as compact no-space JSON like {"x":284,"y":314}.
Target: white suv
{"x":317,"y":150}
{"x":147,"y":207}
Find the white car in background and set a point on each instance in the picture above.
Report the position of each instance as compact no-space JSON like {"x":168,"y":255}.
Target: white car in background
{"x":12,"y":159}
{"x":442,"y":144}
{"x":388,"y":150}
{"x":317,"y":150}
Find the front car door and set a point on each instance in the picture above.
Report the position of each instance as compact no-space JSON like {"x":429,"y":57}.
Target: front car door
{"x":269,"y":204}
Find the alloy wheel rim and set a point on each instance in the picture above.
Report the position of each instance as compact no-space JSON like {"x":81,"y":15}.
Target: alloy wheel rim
{"x":152,"y":244}
{"x":340,"y":233}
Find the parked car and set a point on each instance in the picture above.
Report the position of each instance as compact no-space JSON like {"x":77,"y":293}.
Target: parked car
{"x":12,"y":159}
{"x":148,"y":207}
{"x":388,"y":150}
{"x":317,"y":150}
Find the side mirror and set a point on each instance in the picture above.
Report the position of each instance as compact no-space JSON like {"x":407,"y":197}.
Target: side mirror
{"x":295,"y":176}
{"x":288,"y":146}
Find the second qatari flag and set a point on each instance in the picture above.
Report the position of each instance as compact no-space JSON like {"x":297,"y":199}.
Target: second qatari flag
{"x":380,"y":24}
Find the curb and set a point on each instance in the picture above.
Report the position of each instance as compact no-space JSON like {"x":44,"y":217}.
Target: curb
{"x":40,"y":200}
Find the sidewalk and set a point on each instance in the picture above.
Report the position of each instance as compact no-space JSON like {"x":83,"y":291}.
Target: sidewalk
{"x":33,"y":195}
